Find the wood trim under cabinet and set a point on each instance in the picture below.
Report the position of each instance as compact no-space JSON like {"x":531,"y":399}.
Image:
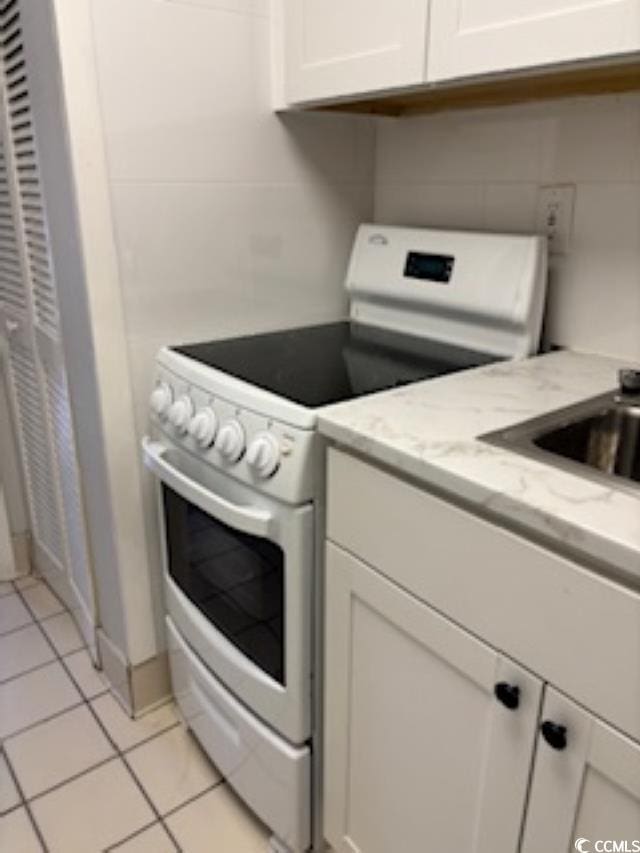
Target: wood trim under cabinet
{"x":555,"y":83}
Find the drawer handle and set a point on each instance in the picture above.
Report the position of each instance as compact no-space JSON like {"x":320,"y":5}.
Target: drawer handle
{"x":507,"y":694}
{"x":554,"y":734}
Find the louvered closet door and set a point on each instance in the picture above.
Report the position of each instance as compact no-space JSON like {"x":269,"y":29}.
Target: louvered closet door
{"x":30,"y":322}
{"x":35,"y":448}
{"x":20,"y":359}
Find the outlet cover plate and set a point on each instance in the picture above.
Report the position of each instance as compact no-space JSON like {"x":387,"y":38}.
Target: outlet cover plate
{"x":555,"y":216}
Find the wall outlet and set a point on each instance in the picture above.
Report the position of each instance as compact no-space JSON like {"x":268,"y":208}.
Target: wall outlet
{"x":555,"y":216}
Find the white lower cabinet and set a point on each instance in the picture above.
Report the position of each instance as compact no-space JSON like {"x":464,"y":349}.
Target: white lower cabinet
{"x":423,"y":752}
{"x":421,"y":755}
{"x":586,"y":782}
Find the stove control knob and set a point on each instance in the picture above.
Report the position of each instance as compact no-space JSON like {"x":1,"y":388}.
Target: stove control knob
{"x":263,"y":455}
{"x":180,"y":413}
{"x":203,"y":427}
{"x":161,"y":398}
{"x":230,"y":441}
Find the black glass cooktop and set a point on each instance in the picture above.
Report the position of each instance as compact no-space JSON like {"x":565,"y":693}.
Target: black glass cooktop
{"x":318,"y":365}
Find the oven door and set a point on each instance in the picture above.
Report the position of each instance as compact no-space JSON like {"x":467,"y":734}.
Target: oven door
{"x":238,"y":571}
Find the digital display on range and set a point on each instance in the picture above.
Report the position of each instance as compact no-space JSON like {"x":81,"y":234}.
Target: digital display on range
{"x":427,"y":267}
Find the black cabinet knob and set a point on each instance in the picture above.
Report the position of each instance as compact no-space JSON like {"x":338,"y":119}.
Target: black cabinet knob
{"x":508,"y":694}
{"x":554,"y":734}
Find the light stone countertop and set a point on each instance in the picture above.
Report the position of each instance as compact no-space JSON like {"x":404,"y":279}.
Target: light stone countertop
{"x":429,"y":430}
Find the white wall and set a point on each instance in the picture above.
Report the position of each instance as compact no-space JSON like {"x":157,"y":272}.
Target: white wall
{"x":482,"y":169}
{"x":227,"y":218}
{"x":64,"y":95}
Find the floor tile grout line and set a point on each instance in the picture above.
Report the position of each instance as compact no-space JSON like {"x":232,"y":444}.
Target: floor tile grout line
{"x":19,"y":805}
{"x":58,"y":652}
{"x":150,"y":802}
{"x":31,"y":576}
{"x":40,"y":619}
{"x":36,"y":828}
{"x":25,"y":802}
{"x":123,"y":756}
{"x":61,"y":658}
{"x":83,"y":700}
{"x":43,"y":582}
{"x":89,"y":700}
{"x":114,"y":847}
{"x":37,"y":621}
{"x":171,"y":812}
{"x":147,"y":740}
{"x":18,"y":627}
{"x":118,"y":753}
{"x":60,"y":655}
{"x":15,"y":780}
{"x":83,"y":648}
{"x":58,"y":659}
{"x":70,"y":779}
{"x":221,"y":781}
{"x":136,"y":781}
{"x":27,"y":671}
{"x":22,"y":627}
{"x":64,"y":612}
{"x":48,"y":719}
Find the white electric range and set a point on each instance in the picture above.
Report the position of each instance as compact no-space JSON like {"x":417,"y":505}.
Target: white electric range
{"x":240,"y":472}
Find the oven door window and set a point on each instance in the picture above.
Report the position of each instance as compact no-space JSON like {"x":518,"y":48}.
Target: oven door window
{"x":234,"y":579}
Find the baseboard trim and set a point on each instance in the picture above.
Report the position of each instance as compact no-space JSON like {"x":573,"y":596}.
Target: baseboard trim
{"x":116,"y":669}
{"x":21,"y":544}
{"x":139,"y":688}
{"x":150,"y":683}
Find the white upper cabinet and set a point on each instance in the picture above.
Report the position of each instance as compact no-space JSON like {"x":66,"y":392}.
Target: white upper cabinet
{"x":336,"y":48}
{"x":469,"y":37}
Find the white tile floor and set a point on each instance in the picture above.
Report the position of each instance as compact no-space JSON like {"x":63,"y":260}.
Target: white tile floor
{"x":77,"y":775}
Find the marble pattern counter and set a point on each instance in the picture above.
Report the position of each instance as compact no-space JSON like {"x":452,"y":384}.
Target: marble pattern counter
{"x":429,"y":430}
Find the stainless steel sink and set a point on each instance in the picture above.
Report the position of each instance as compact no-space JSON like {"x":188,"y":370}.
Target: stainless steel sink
{"x":599,"y":438}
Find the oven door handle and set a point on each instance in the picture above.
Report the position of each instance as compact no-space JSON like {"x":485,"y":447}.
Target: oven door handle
{"x":257,"y":522}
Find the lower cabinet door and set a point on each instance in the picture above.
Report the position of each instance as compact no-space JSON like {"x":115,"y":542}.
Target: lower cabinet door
{"x":585,"y":785}
{"x":429,"y":732}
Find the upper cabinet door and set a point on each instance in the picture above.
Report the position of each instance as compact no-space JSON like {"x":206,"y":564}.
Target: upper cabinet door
{"x":586,"y":782}
{"x":429,"y":733}
{"x":470,"y":37}
{"x":337,"y":48}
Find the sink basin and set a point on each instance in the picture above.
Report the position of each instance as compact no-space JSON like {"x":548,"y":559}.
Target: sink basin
{"x":599,"y":438}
